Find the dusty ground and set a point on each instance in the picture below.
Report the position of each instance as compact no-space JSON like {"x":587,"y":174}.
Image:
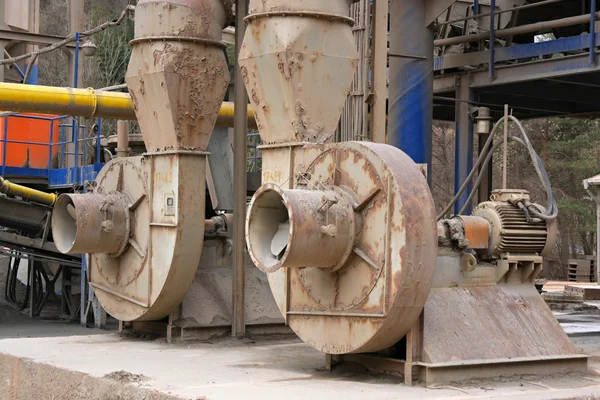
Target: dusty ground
{"x":106,"y":366}
{"x":54,"y":360}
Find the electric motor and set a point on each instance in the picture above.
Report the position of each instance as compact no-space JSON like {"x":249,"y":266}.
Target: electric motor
{"x":512,"y":230}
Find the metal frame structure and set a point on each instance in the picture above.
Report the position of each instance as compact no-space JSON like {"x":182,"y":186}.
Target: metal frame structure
{"x":522,"y":75}
{"x":63,"y":176}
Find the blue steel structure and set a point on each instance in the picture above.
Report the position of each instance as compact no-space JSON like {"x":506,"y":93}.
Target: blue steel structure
{"x":63,"y":176}
{"x":56,"y":177}
{"x":411,"y":81}
{"x":529,"y":76}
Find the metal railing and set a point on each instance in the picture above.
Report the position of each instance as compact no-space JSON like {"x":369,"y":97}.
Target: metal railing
{"x":493,"y":33}
{"x":76,"y":139}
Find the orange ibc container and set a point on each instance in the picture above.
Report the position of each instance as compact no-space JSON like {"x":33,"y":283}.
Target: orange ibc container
{"x":28,"y":130}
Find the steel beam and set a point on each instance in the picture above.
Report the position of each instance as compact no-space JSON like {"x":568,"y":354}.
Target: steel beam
{"x":492,"y":33}
{"x":531,"y":50}
{"x":592,"y":34}
{"x":543,"y":69}
{"x":380,"y":47}
{"x":541,"y":106}
{"x":463,"y":159}
{"x":76,"y":24}
{"x":32,"y":38}
{"x":240,"y":141}
{"x":435,"y":8}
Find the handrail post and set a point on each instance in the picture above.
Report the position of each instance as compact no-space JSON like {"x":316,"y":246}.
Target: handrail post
{"x":50,"y":148}
{"x":98,"y":144}
{"x":5,"y":139}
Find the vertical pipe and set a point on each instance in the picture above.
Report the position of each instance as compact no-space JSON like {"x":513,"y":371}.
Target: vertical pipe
{"x":122,"y":138}
{"x":379,"y":106}
{"x":593,"y":32}
{"x":238,"y":322}
{"x":75,"y":121}
{"x":492,"y":38}
{"x":411,"y":81}
{"x":505,"y":151}
{"x":463,"y":159}
{"x":5,"y":140}
{"x":476,"y":7}
{"x":98,"y":138}
{"x":485,"y":187}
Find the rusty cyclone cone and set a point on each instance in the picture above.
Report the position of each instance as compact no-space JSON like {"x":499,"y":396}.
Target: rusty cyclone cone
{"x":339,"y":298}
{"x":143,"y":226}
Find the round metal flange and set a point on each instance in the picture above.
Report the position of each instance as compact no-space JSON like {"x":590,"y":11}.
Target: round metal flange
{"x":361,"y":269}
{"x":125,"y":178}
{"x":123,"y":279}
{"x":372,"y":301}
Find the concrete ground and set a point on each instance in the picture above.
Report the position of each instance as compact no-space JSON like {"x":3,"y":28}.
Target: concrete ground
{"x":49,"y":360}
{"x":56,"y":360}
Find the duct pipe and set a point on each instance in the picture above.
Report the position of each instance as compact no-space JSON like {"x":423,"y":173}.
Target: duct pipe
{"x":411,"y":80}
{"x":122,"y":138}
{"x":519,"y":30}
{"x":284,"y":228}
{"x":36,"y":196}
{"x":87,"y":103}
{"x":483,"y":128}
{"x":92,"y":223}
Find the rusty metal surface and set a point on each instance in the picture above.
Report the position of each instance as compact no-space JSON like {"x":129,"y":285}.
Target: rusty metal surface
{"x":291,"y":52}
{"x":154,"y":271}
{"x":91,"y":223}
{"x":317,"y":220}
{"x":177,"y":78}
{"x":499,"y":322}
{"x":477,"y":231}
{"x":177,"y":86}
{"x":374,"y":298}
{"x":123,"y":138}
{"x":298,"y":59}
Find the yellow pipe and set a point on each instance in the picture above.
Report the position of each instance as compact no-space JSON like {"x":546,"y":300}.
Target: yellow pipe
{"x":87,"y":103}
{"x":26,"y":193}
